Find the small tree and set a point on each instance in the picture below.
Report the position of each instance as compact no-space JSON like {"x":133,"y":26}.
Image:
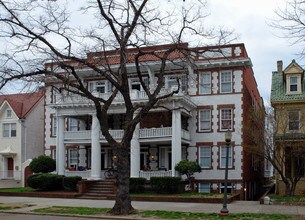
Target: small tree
{"x":188,"y":168}
{"x":42,"y":164}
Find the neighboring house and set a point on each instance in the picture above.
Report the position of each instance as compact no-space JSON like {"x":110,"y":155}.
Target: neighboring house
{"x":217,"y":93}
{"x":21,"y":134}
{"x":288,"y":101}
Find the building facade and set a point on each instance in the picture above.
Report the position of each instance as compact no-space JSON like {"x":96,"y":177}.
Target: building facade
{"x":217,"y":91}
{"x":22,"y":132}
{"x":288,"y":101}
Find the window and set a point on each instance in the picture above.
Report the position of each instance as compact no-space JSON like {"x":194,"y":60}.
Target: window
{"x":205,"y":83}
{"x":229,"y":187}
{"x":205,"y":120}
{"x":223,"y":157}
{"x":73,"y":124}
{"x":54,"y":126}
{"x":73,"y":157}
{"x":172,"y":83}
{"x":226,"y":119}
{"x":226,"y":82}
{"x":100,"y":86}
{"x":8,"y":113}
{"x":9,"y":130}
{"x":205,"y":157}
{"x":204,"y":187}
{"x":293,"y":120}
{"x":53,"y":152}
{"x":136,"y":85}
{"x":293,"y":84}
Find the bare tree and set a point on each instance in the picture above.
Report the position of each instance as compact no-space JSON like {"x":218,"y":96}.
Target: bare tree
{"x":60,"y":35}
{"x":290,"y":20}
{"x":281,"y":145}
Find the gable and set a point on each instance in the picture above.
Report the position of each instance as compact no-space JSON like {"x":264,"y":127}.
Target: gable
{"x":3,"y":111}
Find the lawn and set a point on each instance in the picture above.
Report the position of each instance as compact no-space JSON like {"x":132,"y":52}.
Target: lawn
{"x":18,"y":190}
{"x":161,"y":214}
{"x":277,"y":198}
{"x":188,"y":195}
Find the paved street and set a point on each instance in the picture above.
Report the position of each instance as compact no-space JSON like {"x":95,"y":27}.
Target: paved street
{"x":235,"y":207}
{"x":10,"y":216}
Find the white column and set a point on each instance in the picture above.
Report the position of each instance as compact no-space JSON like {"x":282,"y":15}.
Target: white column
{"x":95,"y":148}
{"x":176,"y":138}
{"x":135,"y":153}
{"x":60,"y":151}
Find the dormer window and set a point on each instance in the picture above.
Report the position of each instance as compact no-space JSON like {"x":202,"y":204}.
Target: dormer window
{"x":293,"y":84}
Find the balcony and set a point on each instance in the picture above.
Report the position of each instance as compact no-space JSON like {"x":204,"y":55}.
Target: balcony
{"x":145,"y":134}
{"x":135,"y":95}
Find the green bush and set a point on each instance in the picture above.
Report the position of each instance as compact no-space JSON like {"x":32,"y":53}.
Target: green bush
{"x":165,"y":184}
{"x":136,"y":185}
{"x":45,"y":181}
{"x":70,"y":182}
{"x":42,"y":164}
{"x":188,"y":168}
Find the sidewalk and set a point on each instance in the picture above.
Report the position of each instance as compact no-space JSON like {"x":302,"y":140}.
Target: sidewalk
{"x":235,"y":207}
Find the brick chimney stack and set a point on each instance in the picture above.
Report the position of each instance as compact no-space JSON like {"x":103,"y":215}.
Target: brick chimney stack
{"x":279,"y":66}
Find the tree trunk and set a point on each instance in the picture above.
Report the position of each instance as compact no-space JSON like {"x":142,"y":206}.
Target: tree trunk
{"x":122,"y":204}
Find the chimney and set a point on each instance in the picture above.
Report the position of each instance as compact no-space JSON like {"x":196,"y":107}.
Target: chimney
{"x":279,"y":66}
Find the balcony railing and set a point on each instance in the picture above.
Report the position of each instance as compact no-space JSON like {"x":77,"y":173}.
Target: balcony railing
{"x":134,"y":95}
{"x":145,"y":133}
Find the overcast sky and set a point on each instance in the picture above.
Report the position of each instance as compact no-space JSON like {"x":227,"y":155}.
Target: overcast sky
{"x":249,"y":19}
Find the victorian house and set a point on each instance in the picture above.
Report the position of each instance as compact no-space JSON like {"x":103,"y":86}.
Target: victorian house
{"x":288,"y":101}
{"x":218,"y":90}
{"x":22,"y":132}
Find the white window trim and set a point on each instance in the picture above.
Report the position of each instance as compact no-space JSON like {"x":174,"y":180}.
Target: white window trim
{"x":203,"y":84}
{"x":230,"y":157}
{"x":71,"y":121}
{"x":9,"y":115}
{"x":205,"y":157}
{"x":221,"y":119}
{"x":209,"y":188}
{"x":54,"y":126}
{"x":205,"y":120}
{"x":9,"y":130}
{"x":231,"y":82}
{"x":70,"y":163}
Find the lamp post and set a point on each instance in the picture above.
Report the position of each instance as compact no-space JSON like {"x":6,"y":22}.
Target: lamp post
{"x":224,"y":210}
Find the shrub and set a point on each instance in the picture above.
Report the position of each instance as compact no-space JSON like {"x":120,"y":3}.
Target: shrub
{"x":70,"y":182}
{"x":136,"y":185}
{"x":45,"y":181}
{"x":188,"y":168}
{"x":42,"y":164}
{"x":165,"y":184}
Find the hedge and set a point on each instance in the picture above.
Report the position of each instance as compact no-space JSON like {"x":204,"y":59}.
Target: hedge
{"x":136,"y":185}
{"x":70,"y":182}
{"x":45,"y":181}
{"x":42,"y":164}
{"x":165,"y":184}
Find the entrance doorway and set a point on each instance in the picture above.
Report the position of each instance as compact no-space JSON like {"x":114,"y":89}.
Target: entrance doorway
{"x":10,"y":167}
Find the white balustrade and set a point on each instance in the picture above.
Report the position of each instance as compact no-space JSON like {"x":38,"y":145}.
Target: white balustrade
{"x":155,"y":132}
{"x":84,"y":174}
{"x":118,"y":134}
{"x":158,"y":173}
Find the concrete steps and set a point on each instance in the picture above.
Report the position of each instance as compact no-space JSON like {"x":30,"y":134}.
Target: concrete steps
{"x":101,"y":189}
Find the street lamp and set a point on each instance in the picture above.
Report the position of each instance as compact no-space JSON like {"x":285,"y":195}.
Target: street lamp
{"x":224,"y":210}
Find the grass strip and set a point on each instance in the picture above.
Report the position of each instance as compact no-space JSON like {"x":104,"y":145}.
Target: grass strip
{"x":162,"y":214}
{"x":72,"y":210}
{"x":17,"y":190}
{"x":278,"y":198}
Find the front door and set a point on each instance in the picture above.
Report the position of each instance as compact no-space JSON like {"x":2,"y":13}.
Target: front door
{"x":10,"y":167}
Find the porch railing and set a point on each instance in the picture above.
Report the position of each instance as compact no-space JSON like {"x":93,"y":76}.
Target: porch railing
{"x":158,"y":173}
{"x":134,"y":94}
{"x":118,"y":134}
{"x":155,"y":132}
{"x":84,"y":174}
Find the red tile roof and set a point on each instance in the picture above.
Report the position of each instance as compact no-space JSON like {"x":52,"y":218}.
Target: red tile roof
{"x":22,"y":103}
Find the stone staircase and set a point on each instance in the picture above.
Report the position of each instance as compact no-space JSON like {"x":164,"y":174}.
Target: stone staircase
{"x":101,"y":189}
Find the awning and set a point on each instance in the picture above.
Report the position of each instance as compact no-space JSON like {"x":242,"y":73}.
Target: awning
{"x":8,"y":152}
